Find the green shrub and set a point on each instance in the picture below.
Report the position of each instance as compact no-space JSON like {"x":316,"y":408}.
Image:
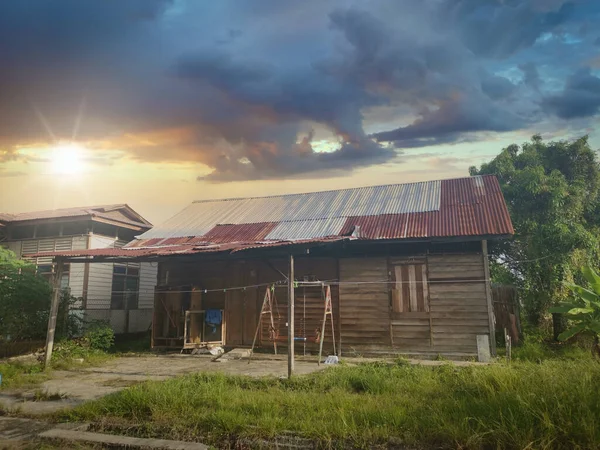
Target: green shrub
{"x":100,"y":336}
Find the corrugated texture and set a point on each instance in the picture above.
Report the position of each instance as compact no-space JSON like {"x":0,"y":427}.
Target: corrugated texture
{"x":186,"y":249}
{"x":469,"y":207}
{"x":200,"y":217}
{"x":240,"y":233}
{"x":451,"y":208}
{"x":307,"y":229}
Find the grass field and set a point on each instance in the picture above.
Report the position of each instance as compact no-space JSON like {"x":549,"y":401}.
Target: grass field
{"x":552,"y":404}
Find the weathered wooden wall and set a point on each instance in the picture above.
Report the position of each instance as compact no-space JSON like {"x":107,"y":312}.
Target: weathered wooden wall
{"x":364,"y":303}
{"x":242,"y":306}
{"x":456,"y":313}
{"x":456,"y":309}
{"x":458,"y":304}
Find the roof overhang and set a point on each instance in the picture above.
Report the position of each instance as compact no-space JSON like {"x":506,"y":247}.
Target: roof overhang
{"x":238,"y":249}
{"x":89,"y":217}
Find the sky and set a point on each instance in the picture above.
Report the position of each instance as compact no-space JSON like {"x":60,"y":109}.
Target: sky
{"x":157,"y":103}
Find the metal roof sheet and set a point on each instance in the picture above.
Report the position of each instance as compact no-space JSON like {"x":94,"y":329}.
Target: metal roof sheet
{"x":466,"y":207}
{"x":307,"y":229}
{"x":201,"y":216}
{"x":186,"y":249}
{"x":458,"y":207}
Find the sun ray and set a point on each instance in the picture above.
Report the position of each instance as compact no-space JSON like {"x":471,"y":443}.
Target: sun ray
{"x":43,"y":120}
{"x":79,"y":116}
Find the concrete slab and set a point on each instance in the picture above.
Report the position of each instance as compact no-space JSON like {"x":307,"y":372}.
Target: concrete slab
{"x":110,"y":440}
{"x":13,"y":429}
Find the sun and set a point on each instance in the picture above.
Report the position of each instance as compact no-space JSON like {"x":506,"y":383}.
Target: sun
{"x":67,"y":159}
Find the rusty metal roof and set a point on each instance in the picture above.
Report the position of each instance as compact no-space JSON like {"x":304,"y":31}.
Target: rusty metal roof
{"x":202,"y":216}
{"x":181,"y":249}
{"x":458,"y":207}
{"x":463,"y":207}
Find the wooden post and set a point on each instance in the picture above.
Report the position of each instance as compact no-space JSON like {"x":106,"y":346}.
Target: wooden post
{"x":53,"y":312}
{"x":488,"y":294}
{"x":291,"y":318}
{"x":508,"y":343}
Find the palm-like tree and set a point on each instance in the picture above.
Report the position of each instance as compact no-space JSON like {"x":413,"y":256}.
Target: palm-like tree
{"x":584,"y":311}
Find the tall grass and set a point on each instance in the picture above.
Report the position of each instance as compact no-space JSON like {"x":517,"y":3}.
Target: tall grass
{"x":555,"y":404}
{"x":19,"y":374}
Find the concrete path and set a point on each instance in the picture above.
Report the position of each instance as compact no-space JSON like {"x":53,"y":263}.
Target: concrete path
{"x":113,"y":441}
{"x":67,"y":389}
{"x":15,"y":431}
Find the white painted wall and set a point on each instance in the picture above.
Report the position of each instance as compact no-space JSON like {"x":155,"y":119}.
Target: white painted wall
{"x":99,"y":279}
{"x":100,"y":287}
{"x":100,"y":276}
{"x":148,"y":274}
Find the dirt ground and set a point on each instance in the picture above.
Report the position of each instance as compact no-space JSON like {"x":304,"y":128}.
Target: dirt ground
{"x":69,"y":388}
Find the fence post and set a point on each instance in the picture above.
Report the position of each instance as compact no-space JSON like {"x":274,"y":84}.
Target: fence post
{"x":53,"y":311}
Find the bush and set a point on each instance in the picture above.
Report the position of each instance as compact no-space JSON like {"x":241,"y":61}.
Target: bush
{"x":100,"y":336}
{"x":24,"y":299}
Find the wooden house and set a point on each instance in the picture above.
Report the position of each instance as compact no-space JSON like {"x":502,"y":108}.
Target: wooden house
{"x":405,"y":267}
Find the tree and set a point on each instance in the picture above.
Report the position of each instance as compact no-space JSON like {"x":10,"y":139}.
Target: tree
{"x":24,"y":299}
{"x":551,"y":190}
{"x":584,"y":312}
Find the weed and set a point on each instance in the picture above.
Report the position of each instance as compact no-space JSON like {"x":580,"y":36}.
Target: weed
{"x":72,"y":353}
{"x":45,"y":396}
{"x":20,"y":374}
{"x":543,"y":404}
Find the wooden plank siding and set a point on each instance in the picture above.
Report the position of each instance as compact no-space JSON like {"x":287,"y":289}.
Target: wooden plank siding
{"x":458,"y":302}
{"x":444,"y":315}
{"x":364,"y":308}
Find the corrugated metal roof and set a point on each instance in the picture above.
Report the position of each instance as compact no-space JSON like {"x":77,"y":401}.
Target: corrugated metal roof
{"x":469,"y":207}
{"x":466,"y":207}
{"x":307,"y":229}
{"x":240,"y":233}
{"x":200,"y":217}
{"x":229,"y":247}
{"x":459,"y":207}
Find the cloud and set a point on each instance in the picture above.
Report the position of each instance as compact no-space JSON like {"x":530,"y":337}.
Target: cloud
{"x":580,"y":96}
{"x":250,"y":91}
{"x":497,"y":87}
{"x":499,"y":29}
{"x":531,"y":77}
{"x":449,"y":120}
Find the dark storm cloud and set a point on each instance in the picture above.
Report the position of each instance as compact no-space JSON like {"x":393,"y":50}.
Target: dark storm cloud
{"x":252,"y":89}
{"x":531,"y":77}
{"x":492,"y":28}
{"x":579,"y":98}
{"x":497,"y":87}
{"x":449,"y":121}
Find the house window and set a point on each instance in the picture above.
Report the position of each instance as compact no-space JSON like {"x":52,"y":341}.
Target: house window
{"x":45,"y":271}
{"x":125,"y":286}
{"x":410,"y":291}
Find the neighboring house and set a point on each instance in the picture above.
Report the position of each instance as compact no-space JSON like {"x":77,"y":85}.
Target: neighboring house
{"x":120,"y":293}
{"x":406,"y":264}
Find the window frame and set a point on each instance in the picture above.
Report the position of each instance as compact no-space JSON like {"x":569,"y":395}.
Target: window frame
{"x":406,"y":300}
{"x":122,"y":298}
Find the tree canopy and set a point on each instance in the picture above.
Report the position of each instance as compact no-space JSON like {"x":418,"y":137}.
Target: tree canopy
{"x":552,"y":193}
{"x":24,"y":299}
